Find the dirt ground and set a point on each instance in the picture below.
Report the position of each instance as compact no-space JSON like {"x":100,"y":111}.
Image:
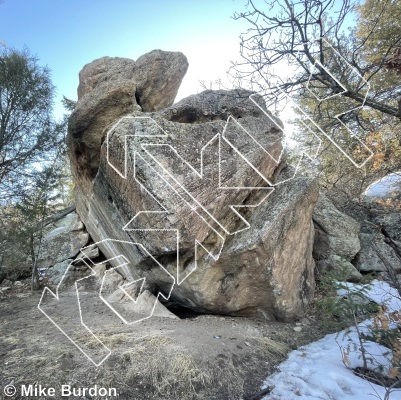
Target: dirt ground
{"x":197,"y":357}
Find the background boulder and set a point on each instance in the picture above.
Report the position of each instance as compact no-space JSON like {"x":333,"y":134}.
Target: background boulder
{"x":62,"y":240}
{"x":336,"y":240}
{"x":367,"y":236}
{"x":380,"y":237}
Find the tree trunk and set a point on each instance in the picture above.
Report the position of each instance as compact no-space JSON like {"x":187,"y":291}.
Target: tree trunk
{"x":3,"y":275}
{"x":35,"y":284}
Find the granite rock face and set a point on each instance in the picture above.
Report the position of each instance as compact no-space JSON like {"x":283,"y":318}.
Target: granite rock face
{"x":186,"y":194}
{"x":59,"y":254}
{"x":356,"y":237}
{"x":154,"y":78}
{"x":336,"y":240}
{"x":380,"y":238}
{"x":62,"y":241}
{"x":336,"y":232}
{"x":340,"y":266}
{"x":110,"y":88}
{"x":377,"y":254}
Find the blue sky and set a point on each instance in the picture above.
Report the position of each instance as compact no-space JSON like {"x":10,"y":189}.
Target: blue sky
{"x":67,"y":34}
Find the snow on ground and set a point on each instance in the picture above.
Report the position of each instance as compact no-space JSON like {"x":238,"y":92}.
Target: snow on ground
{"x":316,"y":371}
{"x":384,"y":186}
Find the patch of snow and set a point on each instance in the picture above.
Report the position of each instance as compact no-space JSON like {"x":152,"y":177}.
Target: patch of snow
{"x":384,"y":186}
{"x":42,"y":271}
{"x":317,"y":371}
{"x":55,"y":232}
{"x":379,"y":292}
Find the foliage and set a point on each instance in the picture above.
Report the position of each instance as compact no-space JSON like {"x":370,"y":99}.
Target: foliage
{"x":34,"y":172}
{"x":342,"y":311}
{"x":379,"y":29}
{"x":22,"y":223}
{"x":347,"y":305}
{"x":309,"y":36}
{"x":338,"y":78}
{"x":68,"y":104}
{"x":28,"y":134}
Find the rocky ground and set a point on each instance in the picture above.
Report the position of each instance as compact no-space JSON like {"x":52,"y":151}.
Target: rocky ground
{"x":192,"y":357}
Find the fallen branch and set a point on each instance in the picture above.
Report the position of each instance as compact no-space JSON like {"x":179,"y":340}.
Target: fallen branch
{"x":260,"y":394}
{"x":56,"y":217}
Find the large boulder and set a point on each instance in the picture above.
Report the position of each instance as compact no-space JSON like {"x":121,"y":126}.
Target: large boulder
{"x":154,"y":78}
{"x":158,"y":76}
{"x":379,"y":235}
{"x":376,"y":255}
{"x":186,"y":195}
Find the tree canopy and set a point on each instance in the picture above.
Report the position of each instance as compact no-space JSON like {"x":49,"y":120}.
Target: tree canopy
{"x":342,"y":75}
{"x":316,"y":38}
{"x":34,"y":176}
{"x":28,"y":133}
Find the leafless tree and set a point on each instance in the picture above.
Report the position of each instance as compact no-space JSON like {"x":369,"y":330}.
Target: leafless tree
{"x":338,"y":63}
{"x":314,"y":37}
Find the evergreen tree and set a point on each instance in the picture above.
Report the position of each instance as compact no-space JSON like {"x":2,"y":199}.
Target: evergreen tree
{"x":28,"y":133}
{"x":34,"y":171}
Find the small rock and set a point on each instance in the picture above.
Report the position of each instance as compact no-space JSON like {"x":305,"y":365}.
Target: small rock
{"x":297,"y":328}
{"x":91,"y":252}
{"x":341,"y":267}
{"x":6,"y":282}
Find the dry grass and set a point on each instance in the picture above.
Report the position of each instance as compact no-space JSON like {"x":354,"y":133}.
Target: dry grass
{"x":229,"y":379}
{"x":177,"y":375}
{"x":112,"y":340}
{"x":272,"y":346}
{"x":12,"y":341}
{"x":156,"y":362}
{"x":157,"y":341}
{"x":158,"y":366}
{"x":115,"y":339}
